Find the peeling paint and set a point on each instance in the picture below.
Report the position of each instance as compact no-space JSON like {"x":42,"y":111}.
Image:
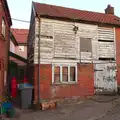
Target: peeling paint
{"x":105,"y":77}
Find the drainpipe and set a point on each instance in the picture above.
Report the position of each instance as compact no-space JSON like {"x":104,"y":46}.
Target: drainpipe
{"x":8,"y":62}
{"x":39,"y":63}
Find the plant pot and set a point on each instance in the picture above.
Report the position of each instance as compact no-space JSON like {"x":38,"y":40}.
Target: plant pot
{"x":10,"y":113}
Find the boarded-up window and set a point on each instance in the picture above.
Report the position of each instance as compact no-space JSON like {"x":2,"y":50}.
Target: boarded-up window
{"x":85,"y":45}
{"x":65,"y":74}
{"x":72,"y":73}
{"x":106,"y":50}
{"x":56,"y":74}
{"x":105,"y":34}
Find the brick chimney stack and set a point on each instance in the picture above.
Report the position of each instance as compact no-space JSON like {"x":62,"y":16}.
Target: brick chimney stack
{"x":109,"y":10}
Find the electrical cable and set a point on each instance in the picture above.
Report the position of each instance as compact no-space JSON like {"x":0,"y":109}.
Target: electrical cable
{"x":20,"y":20}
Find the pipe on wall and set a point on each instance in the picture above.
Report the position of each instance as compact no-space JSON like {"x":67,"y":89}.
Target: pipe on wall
{"x":39,"y":63}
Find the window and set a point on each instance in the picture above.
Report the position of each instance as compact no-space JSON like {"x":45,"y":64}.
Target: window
{"x":64,"y":74}
{"x":21,"y":48}
{"x":57,"y":74}
{"x":85,"y":45}
{"x":72,"y":73}
{"x":3,"y":27}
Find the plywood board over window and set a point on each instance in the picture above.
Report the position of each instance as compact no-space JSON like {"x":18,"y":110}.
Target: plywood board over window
{"x":85,"y":49}
{"x":106,"y":43}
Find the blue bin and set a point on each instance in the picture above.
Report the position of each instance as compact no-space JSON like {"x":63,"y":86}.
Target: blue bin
{"x":7,"y":105}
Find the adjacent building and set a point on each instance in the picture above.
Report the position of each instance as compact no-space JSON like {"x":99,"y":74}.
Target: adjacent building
{"x":72,"y":52}
{"x":17,"y":54}
{"x":5,"y":23}
{"x":20,"y":36}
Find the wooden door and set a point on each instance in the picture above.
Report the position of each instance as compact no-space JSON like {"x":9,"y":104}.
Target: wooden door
{"x":105,"y":78}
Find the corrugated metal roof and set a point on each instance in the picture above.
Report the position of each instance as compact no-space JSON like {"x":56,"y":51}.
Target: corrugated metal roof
{"x":63,"y":12}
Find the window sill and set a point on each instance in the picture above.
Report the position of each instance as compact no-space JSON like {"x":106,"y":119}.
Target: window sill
{"x":65,"y":83}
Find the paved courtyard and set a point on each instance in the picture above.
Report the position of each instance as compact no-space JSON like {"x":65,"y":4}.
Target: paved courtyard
{"x":98,"y":108}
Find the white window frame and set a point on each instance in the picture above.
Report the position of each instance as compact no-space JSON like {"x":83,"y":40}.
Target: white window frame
{"x":3,"y":27}
{"x":61,"y":81}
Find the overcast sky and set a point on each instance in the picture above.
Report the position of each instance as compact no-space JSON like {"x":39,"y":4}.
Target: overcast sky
{"x":21,"y":9}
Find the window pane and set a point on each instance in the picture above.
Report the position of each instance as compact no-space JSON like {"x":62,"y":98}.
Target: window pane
{"x":56,"y":74}
{"x":3,"y":27}
{"x":72,"y":73}
{"x":65,"y":74}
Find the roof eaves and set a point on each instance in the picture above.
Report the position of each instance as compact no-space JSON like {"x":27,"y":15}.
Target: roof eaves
{"x":79,"y":20}
{"x":34,"y":8}
{"x":9,"y":16}
{"x":13,"y":38}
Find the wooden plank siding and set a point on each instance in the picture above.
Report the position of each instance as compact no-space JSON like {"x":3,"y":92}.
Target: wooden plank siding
{"x":64,"y":40}
{"x":31,"y":39}
{"x":58,"y":41}
{"x":87,"y":31}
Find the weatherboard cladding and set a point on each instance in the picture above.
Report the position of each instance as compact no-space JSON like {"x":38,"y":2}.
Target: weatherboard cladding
{"x":74,"y":14}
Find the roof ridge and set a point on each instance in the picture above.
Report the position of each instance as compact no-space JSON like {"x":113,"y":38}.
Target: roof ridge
{"x":56,"y":11}
{"x":71,"y":8}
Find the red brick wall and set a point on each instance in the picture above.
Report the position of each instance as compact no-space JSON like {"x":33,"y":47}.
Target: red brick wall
{"x":4,"y":46}
{"x":84,"y":87}
{"x":117,"y":31}
{"x":4,"y":42}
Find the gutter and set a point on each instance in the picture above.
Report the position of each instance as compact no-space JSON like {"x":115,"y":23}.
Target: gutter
{"x":39,"y":63}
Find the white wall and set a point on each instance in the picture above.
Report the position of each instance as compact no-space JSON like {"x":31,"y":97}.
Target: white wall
{"x":12,"y":47}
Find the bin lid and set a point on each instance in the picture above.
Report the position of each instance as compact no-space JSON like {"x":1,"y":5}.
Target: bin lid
{"x":25,"y":86}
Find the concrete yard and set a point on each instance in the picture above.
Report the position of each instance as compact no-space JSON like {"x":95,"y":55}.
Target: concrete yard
{"x":98,"y":108}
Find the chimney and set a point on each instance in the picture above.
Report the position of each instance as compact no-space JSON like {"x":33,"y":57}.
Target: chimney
{"x":109,"y":10}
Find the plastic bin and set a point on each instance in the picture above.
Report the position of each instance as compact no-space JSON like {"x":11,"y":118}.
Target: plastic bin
{"x":25,"y":95}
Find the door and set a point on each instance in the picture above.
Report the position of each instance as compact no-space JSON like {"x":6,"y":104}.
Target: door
{"x":105,"y":78}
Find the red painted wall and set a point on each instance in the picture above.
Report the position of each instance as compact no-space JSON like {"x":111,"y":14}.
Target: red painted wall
{"x":117,"y":31}
{"x":84,"y":87}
